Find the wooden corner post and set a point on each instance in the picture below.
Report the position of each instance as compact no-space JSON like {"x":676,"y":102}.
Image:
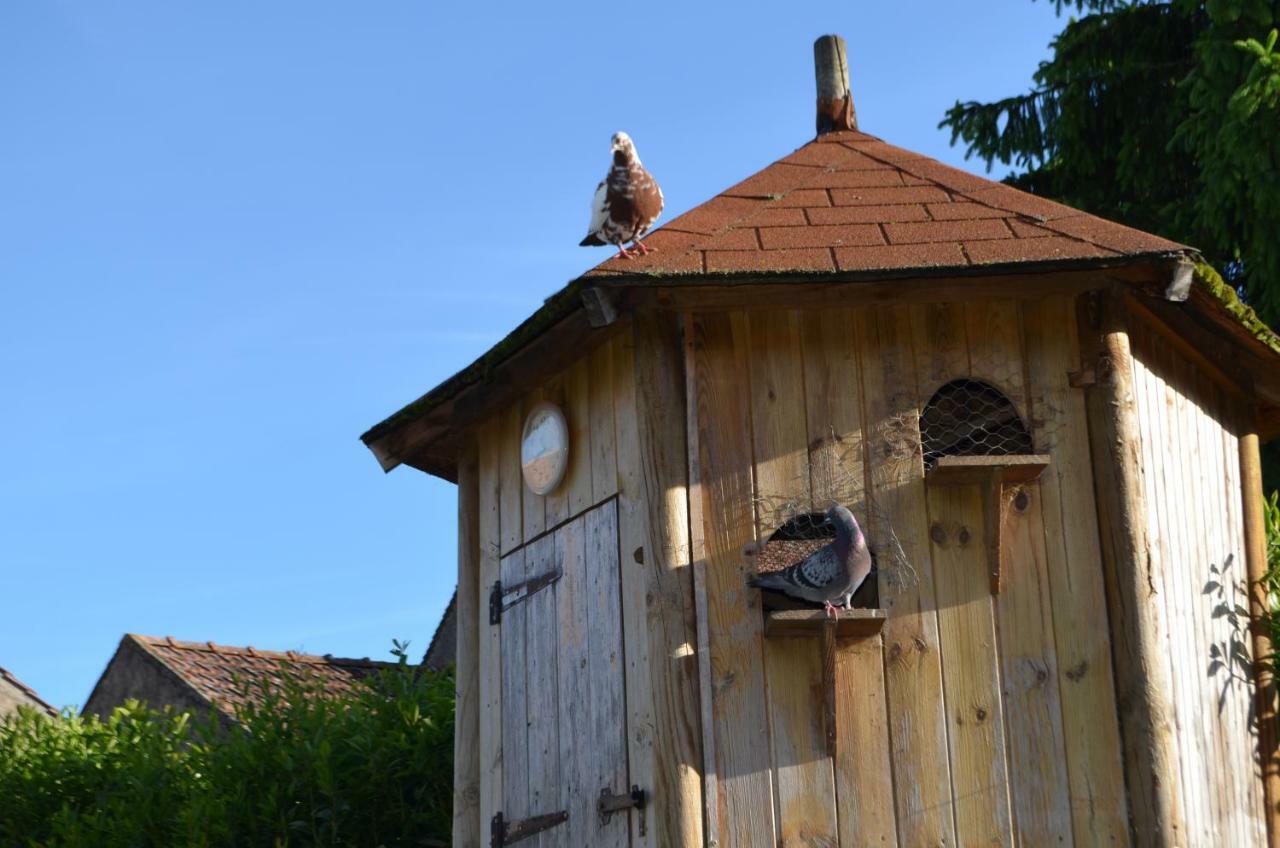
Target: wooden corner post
{"x":466,"y":724}
{"x":1138,"y":640}
{"x":1255,"y":554}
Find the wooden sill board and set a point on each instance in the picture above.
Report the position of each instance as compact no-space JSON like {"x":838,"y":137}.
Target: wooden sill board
{"x":976,"y":470}
{"x":791,"y":623}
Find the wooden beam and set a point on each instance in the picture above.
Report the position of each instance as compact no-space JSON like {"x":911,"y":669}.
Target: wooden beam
{"x":1137,"y":629}
{"x":466,"y":723}
{"x":979,"y":470}
{"x":657,"y":574}
{"x":812,"y":622}
{"x":1255,"y":554}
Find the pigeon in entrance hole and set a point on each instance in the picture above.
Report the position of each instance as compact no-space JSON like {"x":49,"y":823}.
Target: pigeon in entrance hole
{"x":627,"y":202}
{"x":831,"y":573}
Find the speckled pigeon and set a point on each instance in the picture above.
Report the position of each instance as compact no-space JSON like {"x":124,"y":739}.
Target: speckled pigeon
{"x":831,"y":573}
{"x":627,"y":202}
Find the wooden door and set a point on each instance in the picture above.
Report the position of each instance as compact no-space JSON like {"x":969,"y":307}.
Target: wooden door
{"x":559,"y":611}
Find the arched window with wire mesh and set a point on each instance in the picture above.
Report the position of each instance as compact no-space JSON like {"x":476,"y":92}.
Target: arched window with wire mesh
{"x":971,"y":418}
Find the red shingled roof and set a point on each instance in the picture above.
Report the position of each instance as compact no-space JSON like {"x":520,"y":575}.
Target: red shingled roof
{"x":213,"y":670}
{"x":848,"y":201}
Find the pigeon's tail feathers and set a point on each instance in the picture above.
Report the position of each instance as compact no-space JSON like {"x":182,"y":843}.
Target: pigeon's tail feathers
{"x":592,"y":240}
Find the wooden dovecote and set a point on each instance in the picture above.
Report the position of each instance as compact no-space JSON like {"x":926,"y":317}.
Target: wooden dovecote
{"x":779,"y":351}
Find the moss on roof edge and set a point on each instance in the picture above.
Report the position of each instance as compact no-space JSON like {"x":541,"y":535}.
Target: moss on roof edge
{"x":1220,"y":290}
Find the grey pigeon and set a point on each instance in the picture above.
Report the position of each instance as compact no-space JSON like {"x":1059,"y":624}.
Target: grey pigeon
{"x":831,"y":573}
{"x":627,"y":201}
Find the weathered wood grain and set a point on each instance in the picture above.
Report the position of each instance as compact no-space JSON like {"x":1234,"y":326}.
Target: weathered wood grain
{"x":577,"y":789}
{"x":607,"y":746}
{"x":488,"y":439}
{"x":577,"y":411}
{"x":744,"y":815}
{"x":663,"y":700}
{"x":604,"y":461}
{"x":1073,"y":562}
{"x":541,"y":638}
{"x":515,"y":802}
{"x":795,"y":687}
{"x":466,"y":732}
{"x":510,"y":480}
{"x":913,"y":676}
{"x":1024,"y":612}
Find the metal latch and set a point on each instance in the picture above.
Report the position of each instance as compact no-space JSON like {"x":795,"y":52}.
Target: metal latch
{"x":503,"y":598}
{"x":610,"y":803}
{"x":503,"y":832}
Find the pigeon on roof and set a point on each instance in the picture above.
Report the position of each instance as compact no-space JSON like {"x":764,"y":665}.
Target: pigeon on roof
{"x":627,"y":201}
{"x":831,"y":573}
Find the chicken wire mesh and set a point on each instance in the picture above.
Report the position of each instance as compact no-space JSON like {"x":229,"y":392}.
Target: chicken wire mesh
{"x":971,"y":418}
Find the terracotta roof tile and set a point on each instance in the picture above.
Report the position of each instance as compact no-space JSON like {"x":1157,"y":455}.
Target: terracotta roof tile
{"x":887,"y":196}
{"x":820,"y":236}
{"x":13,"y":681}
{"x":1031,"y":250}
{"x":810,"y":259}
{"x":947,"y":231}
{"x":832,"y":199}
{"x":215,"y":671}
{"x":924,"y":255}
{"x":869,"y":214}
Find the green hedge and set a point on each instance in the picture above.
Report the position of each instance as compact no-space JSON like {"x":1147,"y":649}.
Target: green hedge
{"x":372,"y":768}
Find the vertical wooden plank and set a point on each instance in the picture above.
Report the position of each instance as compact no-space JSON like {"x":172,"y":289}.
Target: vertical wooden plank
{"x":605,"y":662}
{"x":664,"y":740}
{"x":577,"y":481}
{"x":1137,"y":626}
{"x":967,"y":634}
{"x":466,"y":733}
{"x":572,"y":597}
{"x":837,"y":469}
{"x":557,"y":500}
{"x":604,"y":462}
{"x":1024,"y":611}
{"x":515,"y":802}
{"x":488,"y":438}
{"x":744,"y":816}
{"x":510,"y":478}
{"x":966,"y":623}
{"x":542,"y":689}
{"x":913,"y":674}
{"x":534,"y":505}
{"x":796,"y":692}
{"x":1073,"y":560}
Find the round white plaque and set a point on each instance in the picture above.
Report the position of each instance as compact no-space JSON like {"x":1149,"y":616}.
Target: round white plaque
{"x":544,"y":448}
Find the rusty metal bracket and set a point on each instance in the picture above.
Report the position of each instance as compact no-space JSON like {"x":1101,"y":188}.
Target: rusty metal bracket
{"x":610,"y":803}
{"x":503,"y":598}
{"x":503,"y":832}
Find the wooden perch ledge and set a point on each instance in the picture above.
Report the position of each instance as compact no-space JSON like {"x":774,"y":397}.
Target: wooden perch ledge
{"x":854,"y":622}
{"x":993,"y":474}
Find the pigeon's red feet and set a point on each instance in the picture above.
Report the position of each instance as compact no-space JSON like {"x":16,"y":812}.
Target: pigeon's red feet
{"x":644,"y":249}
{"x":832,"y":611}
{"x":622,"y":252}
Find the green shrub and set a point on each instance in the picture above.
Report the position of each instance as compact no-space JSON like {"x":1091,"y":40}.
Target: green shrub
{"x":304,"y":767}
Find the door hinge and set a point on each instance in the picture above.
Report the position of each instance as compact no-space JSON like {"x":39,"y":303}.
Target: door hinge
{"x":610,"y":803}
{"x":503,"y":832}
{"x":503,"y":598}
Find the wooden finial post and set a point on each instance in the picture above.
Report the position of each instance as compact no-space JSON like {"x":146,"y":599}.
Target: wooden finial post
{"x":835,"y":101}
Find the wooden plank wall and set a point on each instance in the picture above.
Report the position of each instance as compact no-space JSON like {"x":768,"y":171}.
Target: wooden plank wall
{"x":1191,"y":457}
{"x":972,"y":718}
{"x":624,"y":405}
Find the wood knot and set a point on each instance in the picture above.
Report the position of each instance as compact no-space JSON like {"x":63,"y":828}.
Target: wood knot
{"x":895,"y":651}
{"x":964,"y":535}
{"x":938,"y":534}
{"x":981,"y":714}
{"x":921,"y":645}
{"x":1022,"y":500}
{"x":638,"y":556}
{"x":1078,"y":671}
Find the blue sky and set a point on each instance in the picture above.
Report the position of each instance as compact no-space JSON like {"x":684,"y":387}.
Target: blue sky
{"x":234,"y":235}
